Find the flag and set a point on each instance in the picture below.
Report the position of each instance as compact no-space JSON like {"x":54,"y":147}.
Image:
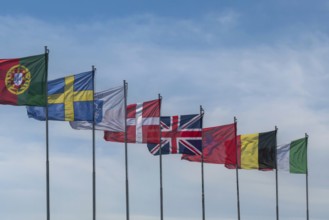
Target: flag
{"x":109,"y":111}
{"x":179,"y":135}
{"x":143,"y":124}
{"x":256,"y":151}
{"x":23,"y":81}
{"x":292,"y":157}
{"x":69,"y":99}
{"x":219,"y":146}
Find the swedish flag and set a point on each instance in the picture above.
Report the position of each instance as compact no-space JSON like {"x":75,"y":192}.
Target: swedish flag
{"x":69,"y":99}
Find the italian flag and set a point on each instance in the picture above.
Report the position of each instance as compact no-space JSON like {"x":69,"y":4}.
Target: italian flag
{"x":292,"y":157}
{"x":23,"y":81}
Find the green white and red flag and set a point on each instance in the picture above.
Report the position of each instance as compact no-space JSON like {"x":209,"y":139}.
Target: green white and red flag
{"x":23,"y":81}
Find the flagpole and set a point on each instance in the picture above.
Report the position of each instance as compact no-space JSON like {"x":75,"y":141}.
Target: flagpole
{"x":47,"y":138}
{"x":160,"y":161}
{"x":237,"y":169}
{"x":126,"y":152}
{"x":94,"y":156}
{"x":307,"y":210}
{"x":202,"y":168}
{"x":276,"y":176}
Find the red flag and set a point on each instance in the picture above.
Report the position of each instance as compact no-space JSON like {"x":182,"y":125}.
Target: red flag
{"x":238,"y":147}
{"x":219,"y":146}
{"x":143,"y":124}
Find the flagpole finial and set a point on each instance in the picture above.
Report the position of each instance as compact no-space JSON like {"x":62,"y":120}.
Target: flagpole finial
{"x":306,"y":135}
{"x":235,"y":119}
{"x":276,"y":128}
{"x":159,"y":96}
{"x":201,"y":110}
{"x":46,"y":49}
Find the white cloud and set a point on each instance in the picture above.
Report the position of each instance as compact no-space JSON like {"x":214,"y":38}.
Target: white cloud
{"x":263,"y":85}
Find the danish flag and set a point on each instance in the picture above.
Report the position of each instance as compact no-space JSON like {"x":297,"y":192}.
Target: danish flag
{"x":143,"y":124}
{"x":179,"y":135}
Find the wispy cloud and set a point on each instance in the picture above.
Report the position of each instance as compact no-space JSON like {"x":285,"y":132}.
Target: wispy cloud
{"x":283,"y":83}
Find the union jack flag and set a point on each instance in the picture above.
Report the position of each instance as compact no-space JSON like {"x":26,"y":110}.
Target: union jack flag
{"x":179,"y":135}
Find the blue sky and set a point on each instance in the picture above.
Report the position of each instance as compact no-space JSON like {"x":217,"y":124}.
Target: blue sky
{"x":265,"y":62}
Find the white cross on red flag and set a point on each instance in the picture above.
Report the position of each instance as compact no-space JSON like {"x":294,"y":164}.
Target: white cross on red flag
{"x":142,"y":124}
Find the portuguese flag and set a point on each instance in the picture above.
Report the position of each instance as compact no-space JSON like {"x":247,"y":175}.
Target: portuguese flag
{"x":23,"y":81}
{"x":256,"y":151}
{"x":292,"y":157}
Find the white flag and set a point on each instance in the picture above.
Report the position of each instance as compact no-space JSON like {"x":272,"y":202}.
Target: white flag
{"x":109,"y":112}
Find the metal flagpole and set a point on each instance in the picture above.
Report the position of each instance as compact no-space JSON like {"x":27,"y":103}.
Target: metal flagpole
{"x":307,"y":210}
{"x":160,"y":161}
{"x":276,"y":175}
{"x":94,"y":157}
{"x":202,"y":168}
{"x":237,"y":169}
{"x":47,"y":138}
{"x":126,"y":151}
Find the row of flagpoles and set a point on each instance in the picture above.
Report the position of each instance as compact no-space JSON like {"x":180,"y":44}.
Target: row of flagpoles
{"x":72,"y":98}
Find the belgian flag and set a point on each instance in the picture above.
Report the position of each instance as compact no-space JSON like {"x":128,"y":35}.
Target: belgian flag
{"x":257,"y":151}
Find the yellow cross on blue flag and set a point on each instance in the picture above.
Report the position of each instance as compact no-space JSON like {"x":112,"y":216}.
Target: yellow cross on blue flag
{"x":69,"y":99}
